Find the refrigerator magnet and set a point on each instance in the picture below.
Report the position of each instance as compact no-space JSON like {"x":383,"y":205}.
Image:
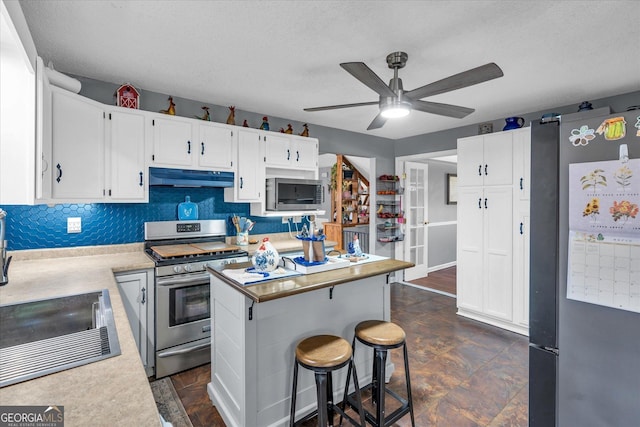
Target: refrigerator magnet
{"x":582,"y":136}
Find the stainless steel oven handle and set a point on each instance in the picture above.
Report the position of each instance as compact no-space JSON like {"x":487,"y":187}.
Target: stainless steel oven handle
{"x":170,"y":353}
{"x":182,"y":280}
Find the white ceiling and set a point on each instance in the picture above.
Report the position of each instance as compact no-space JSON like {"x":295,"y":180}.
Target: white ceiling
{"x":278,"y":57}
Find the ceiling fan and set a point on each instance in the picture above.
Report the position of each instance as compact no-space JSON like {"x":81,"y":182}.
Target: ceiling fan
{"x":396,"y":102}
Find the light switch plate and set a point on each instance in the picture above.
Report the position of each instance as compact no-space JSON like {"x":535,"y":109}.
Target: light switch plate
{"x":74,"y":225}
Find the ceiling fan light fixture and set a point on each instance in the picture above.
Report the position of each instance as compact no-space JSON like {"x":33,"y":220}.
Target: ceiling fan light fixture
{"x":395,"y":110}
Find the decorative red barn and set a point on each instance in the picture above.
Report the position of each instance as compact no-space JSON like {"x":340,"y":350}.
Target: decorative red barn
{"x":128,"y":96}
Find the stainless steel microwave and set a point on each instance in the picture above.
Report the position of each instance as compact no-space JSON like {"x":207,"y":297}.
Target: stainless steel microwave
{"x":287,"y":194}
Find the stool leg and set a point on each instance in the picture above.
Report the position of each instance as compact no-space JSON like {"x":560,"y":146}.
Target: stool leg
{"x":360,"y":409}
{"x":293,"y":395}
{"x":330,"y":398}
{"x":374,"y":378}
{"x":381,"y":361}
{"x":321,"y":391}
{"x":408,"y":380}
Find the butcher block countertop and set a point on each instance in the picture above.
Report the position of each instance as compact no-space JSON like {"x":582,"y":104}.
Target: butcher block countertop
{"x":281,"y":288}
{"x":114,"y":391}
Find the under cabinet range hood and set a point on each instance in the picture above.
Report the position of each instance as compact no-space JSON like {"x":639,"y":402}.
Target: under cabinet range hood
{"x":189,"y":178}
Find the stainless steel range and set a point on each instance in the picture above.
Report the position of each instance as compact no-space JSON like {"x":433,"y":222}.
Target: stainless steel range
{"x":182,"y":250}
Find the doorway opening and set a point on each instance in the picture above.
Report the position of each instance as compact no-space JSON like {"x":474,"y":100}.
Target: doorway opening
{"x":431,"y":220}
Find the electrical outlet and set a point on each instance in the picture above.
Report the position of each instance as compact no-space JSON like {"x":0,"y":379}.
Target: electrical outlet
{"x":285,"y":219}
{"x":297,"y":219}
{"x":74,"y":225}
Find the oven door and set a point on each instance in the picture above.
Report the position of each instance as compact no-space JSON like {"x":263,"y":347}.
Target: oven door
{"x":183,"y":309}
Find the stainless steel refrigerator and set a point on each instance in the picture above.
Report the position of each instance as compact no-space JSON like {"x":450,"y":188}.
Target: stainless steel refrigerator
{"x":584,"y":358}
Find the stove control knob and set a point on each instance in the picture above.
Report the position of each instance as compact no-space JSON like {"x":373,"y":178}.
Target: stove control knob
{"x":177,"y":269}
{"x":188,"y":268}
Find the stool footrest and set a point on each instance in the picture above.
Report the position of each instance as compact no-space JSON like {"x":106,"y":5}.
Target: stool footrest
{"x":389,"y":419}
{"x":336,"y":408}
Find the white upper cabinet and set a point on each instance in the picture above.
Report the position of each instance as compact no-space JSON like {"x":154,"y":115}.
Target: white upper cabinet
{"x":249,"y":179}
{"x":486,"y":159}
{"x":180,"y":142}
{"x":216,"y":146}
{"x":173,"y":142}
{"x":126,"y":143}
{"x":289,"y":151}
{"x":78,"y":147}
{"x":522,"y":162}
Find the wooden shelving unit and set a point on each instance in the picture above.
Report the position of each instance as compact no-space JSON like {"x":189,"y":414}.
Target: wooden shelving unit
{"x":349,"y":200}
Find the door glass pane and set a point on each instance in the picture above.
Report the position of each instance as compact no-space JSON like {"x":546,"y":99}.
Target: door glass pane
{"x":412,"y":256}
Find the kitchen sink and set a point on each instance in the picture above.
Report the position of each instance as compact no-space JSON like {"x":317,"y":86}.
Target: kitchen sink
{"x":41,"y":337}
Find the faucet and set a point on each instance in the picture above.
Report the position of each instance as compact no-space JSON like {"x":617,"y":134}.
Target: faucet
{"x":4,"y":261}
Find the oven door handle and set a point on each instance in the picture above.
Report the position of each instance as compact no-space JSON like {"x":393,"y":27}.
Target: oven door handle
{"x":170,"y":353}
{"x":182,"y":280}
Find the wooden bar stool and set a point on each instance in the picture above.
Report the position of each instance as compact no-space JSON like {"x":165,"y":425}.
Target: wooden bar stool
{"x":383,"y":336}
{"x":324,"y":354}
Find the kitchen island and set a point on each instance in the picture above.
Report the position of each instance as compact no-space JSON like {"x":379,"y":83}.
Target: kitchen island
{"x":113,"y":391}
{"x":256,"y":327}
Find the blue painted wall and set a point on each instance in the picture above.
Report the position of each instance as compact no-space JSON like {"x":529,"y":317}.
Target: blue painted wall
{"x":42,"y":226}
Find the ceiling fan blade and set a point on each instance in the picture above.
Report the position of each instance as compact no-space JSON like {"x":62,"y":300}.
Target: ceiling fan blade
{"x":335,"y":107}
{"x":378,"y":122}
{"x":442,"y":109}
{"x":471,"y":77}
{"x":360,"y":71}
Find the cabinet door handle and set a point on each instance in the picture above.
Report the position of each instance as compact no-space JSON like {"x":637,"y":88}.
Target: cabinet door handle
{"x":479,"y":170}
{"x":202,"y":151}
{"x":480,"y":203}
{"x":141,"y":180}
{"x":288,"y":154}
{"x":521,"y":181}
{"x":188,"y":147}
{"x":485,"y":170}
{"x":144,"y":296}
{"x":485,"y":203}
{"x":297,"y":156}
{"x":59,"y":172}
{"x":521,"y":230}
{"x":241,"y":182}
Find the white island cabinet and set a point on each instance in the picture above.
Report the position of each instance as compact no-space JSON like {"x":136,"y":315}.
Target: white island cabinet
{"x":255,"y":330}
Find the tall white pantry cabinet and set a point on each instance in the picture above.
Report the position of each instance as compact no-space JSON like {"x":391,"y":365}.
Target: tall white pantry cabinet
{"x":493,"y":221}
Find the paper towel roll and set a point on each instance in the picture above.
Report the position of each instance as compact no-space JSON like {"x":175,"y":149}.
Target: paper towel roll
{"x":63,"y":81}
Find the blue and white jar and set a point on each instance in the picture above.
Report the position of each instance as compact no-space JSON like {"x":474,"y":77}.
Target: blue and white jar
{"x":266,"y":257}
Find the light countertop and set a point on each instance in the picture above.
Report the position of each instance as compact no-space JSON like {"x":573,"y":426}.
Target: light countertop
{"x":114,"y":391}
{"x":281,"y":288}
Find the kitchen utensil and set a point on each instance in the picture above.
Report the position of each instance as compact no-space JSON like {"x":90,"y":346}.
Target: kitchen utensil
{"x":187,"y":210}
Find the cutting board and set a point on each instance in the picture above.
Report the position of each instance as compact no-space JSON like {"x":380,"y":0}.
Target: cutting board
{"x":167,"y":251}
{"x":215,"y":246}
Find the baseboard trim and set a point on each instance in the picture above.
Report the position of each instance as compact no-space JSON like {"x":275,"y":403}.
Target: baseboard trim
{"x":425,"y":288}
{"x":442,"y":266}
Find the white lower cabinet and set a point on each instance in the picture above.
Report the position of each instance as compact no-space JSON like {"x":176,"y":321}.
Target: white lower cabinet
{"x":137,"y":291}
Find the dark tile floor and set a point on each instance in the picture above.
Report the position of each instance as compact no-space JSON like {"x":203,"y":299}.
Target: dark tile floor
{"x":463,"y":373}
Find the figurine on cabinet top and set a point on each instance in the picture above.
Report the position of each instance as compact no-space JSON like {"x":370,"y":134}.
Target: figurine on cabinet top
{"x":231,"y":120}
{"x":245,"y":124}
{"x":265,"y":123}
{"x":289,"y":129}
{"x":305,"y":131}
{"x":172,"y":108}
{"x":128,"y":96}
{"x":206,"y":115}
